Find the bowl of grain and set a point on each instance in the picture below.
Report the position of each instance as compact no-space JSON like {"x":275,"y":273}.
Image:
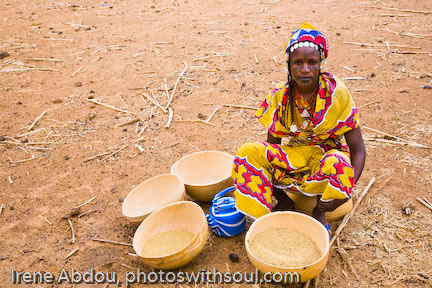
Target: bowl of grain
{"x":172,"y":236}
{"x":288,"y":242}
{"x":306,"y":205}
{"x":151,"y":195}
{"x":204,"y":173}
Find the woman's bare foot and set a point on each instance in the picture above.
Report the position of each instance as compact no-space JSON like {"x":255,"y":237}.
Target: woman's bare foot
{"x":320,"y":216}
{"x":284,"y":203}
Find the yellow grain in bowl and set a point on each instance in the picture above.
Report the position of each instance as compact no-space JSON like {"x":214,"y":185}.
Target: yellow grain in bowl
{"x":285,"y":248}
{"x":166,"y":243}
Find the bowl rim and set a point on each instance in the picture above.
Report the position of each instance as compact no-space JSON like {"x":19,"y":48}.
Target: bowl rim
{"x":249,"y":252}
{"x":197,"y":235}
{"x":193,"y":154}
{"x":129,"y":195}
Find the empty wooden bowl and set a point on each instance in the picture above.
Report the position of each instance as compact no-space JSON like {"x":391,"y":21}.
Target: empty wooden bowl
{"x":293,"y":221}
{"x":204,"y":173}
{"x":307,"y":204}
{"x":152,"y":194}
{"x":183,"y":215}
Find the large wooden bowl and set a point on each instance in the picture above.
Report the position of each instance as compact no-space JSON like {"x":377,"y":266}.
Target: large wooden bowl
{"x":295,"y":221}
{"x":307,"y":204}
{"x":204,"y":173}
{"x":151,"y":195}
{"x":183,"y":215}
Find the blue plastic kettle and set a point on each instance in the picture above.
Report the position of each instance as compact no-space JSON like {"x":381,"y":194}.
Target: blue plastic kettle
{"x":224,"y":219}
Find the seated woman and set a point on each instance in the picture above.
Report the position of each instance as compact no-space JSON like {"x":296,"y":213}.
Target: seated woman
{"x":325,"y":154}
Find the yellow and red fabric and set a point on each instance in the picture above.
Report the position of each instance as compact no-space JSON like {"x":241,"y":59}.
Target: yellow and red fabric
{"x":316,"y":159}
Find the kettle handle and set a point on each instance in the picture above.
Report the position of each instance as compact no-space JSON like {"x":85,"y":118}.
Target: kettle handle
{"x":223,"y":192}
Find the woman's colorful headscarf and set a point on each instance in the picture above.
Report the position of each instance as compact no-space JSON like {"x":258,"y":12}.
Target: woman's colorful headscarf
{"x":307,"y":36}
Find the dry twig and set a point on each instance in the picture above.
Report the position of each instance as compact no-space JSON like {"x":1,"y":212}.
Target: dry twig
{"x":112,"y":107}
{"x":112,"y":242}
{"x":85,"y":203}
{"x":175,"y":86}
{"x":73,"y":231}
{"x":71,"y":253}
{"x":115,"y":152}
{"x":425,"y":202}
{"x":170,"y":117}
{"x":37,"y":120}
{"x":154,"y":102}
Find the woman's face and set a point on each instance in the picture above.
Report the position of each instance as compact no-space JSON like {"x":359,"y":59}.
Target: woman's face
{"x":305,"y":67}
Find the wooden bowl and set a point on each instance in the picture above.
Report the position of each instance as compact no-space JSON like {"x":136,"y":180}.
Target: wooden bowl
{"x":204,"y":173}
{"x":295,"y":221}
{"x":151,"y":195}
{"x":306,"y":205}
{"x":183,"y":215}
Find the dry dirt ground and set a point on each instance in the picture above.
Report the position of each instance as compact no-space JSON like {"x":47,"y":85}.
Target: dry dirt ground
{"x":116,"y":52}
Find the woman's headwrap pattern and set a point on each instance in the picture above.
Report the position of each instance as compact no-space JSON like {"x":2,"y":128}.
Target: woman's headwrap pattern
{"x":307,"y":34}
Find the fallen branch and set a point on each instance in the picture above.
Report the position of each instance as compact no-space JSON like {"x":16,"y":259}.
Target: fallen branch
{"x":87,"y":212}
{"x":30,"y":133}
{"x":175,"y":85}
{"x":73,"y":231}
{"x":28,"y":143}
{"x":24,"y":160}
{"x":85,"y":203}
{"x":44,"y":59}
{"x":425,"y":202}
{"x":115,"y":152}
{"x":71,"y":253}
{"x":170,"y":117}
{"x":402,"y":10}
{"x":154,"y":102}
{"x":140,"y":148}
{"x":229,"y":105}
{"x":129,"y":122}
{"x":198,"y":120}
{"x":49,"y":222}
{"x":28,"y":69}
{"x":382,"y":45}
{"x":354,"y":78}
{"x":112,"y":107}
{"x":396,"y":142}
{"x":97,"y":156}
{"x":76,"y":72}
{"x":112,"y":242}
{"x":37,"y":120}
{"x":212,"y":56}
{"x":370,"y":103}
{"x":396,"y":137}
{"x":347,"y":218}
